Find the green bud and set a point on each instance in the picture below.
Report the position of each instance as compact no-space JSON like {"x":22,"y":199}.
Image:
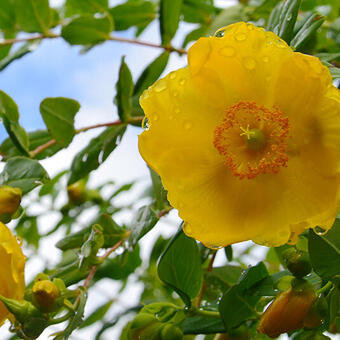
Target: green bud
{"x":297,"y":262}
{"x":142,"y":320}
{"x":151,"y":332}
{"x":22,"y":310}
{"x":171,"y":332}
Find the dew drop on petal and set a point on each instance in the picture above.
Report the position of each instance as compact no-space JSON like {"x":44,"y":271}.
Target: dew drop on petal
{"x":172,"y":75}
{"x":182,"y":82}
{"x":320,"y":231}
{"x":175,"y":94}
{"x":220,"y":33}
{"x":187,"y":229}
{"x":160,"y":85}
{"x":213,"y":247}
{"x":145,"y":123}
{"x":177,"y":110}
{"x":249,"y":63}
{"x":227,"y":51}
{"x":155,"y":117}
{"x":240,"y":36}
{"x":265,"y":59}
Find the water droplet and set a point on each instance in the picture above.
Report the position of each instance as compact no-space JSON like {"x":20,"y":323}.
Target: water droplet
{"x":187,"y":229}
{"x":172,"y":75}
{"x":320,"y":231}
{"x":240,"y":37}
{"x":187,"y":125}
{"x":213,"y":247}
{"x":177,"y":110}
{"x":175,"y":94}
{"x":182,"y":82}
{"x":280,"y":43}
{"x":249,"y":63}
{"x":145,"y":123}
{"x":171,"y":117}
{"x":227,"y":51}
{"x":101,"y":157}
{"x":265,"y":59}
{"x":220,"y":33}
{"x":84,"y":159}
{"x":250,"y":27}
{"x":155,"y":117}
{"x":160,"y":85}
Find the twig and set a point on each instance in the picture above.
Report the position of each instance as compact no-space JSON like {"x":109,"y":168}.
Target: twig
{"x":111,"y":38}
{"x":51,"y":142}
{"x":204,"y":285}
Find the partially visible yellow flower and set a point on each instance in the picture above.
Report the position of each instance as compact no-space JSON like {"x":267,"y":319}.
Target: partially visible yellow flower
{"x":12,"y":264}
{"x":10,"y":199}
{"x":246,"y":139}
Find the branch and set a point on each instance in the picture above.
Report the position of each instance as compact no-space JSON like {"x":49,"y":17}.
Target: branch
{"x":111,"y":38}
{"x":45,"y":146}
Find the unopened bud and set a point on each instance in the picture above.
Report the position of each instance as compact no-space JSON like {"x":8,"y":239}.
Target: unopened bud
{"x":45,"y":293}
{"x":287,"y":312}
{"x":10,"y":199}
{"x":76,"y":192}
{"x":297,"y":262}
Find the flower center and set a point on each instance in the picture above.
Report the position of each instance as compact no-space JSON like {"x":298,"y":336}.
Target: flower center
{"x":252,"y":139}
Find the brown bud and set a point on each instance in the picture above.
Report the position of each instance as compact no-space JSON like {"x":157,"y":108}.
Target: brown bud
{"x":287,"y":312}
{"x":10,"y":199}
{"x":45,"y":293}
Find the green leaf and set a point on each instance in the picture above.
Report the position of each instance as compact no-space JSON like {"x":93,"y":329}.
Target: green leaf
{"x":124,"y":88}
{"x":194,"y":35}
{"x":87,"y":30}
{"x":7,"y":15}
{"x":170,"y":11}
{"x":180,"y":267}
{"x":95,"y":153}
{"x":27,"y":228}
{"x":159,"y":191}
{"x":58,"y":115}
{"x":287,"y":19}
{"x":202,"y":325}
{"x":24,"y":173}
{"x":129,"y":14}
{"x":10,"y":116}
{"x":228,"y":250}
{"x":151,"y":73}
{"x":120,"y":267}
{"x":76,"y":7}
{"x":97,"y":315}
{"x":91,"y":246}
{"x":306,"y":31}
{"x":19,"y":53}
{"x":237,"y":304}
{"x":335,"y":72}
{"x":324,"y":252}
{"x":198,"y":11}
{"x":145,"y":219}
{"x":33,"y":15}
{"x":334,"y":304}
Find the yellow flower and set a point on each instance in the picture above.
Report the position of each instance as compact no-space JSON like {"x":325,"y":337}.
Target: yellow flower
{"x":12,"y":264}
{"x":246,"y":139}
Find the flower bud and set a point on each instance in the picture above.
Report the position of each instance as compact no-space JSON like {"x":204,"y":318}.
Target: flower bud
{"x":10,"y":199}
{"x":76,"y":192}
{"x":288,"y":311}
{"x":142,"y":320}
{"x":171,"y":332}
{"x":297,"y":262}
{"x":45,"y":293}
{"x":151,"y":332}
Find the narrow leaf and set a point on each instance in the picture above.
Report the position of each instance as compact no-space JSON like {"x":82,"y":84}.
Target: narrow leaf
{"x":10,"y":116}
{"x":151,"y":73}
{"x":124,"y":88}
{"x":287,"y":19}
{"x":170,"y":11}
{"x":95,"y":153}
{"x":58,"y":115}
